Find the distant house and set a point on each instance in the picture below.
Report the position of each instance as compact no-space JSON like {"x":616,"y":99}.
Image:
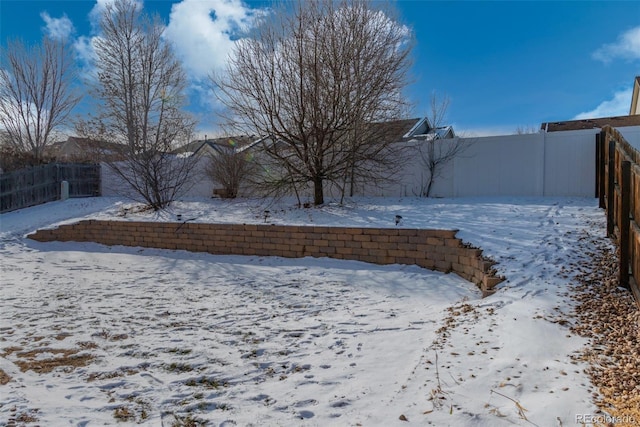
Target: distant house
{"x":629,"y":125}
{"x":76,"y":149}
{"x":406,"y":132}
{"x":422,"y":129}
{"x":617,"y":122}
{"x":212,"y":146}
{"x":635,"y":98}
{"x":392,"y":131}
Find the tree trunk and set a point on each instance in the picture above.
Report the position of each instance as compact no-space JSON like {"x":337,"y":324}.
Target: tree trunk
{"x":427,"y":193}
{"x":434,"y":169}
{"x":318,"y":192}
{"x":353,"y":177}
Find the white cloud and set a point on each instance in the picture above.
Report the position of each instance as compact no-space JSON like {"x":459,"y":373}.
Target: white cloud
{"x":86,"y":55}
{"x":84,"y":48}
{"x":618,"y":106}
{"x":84,"y":45}
{"x":626,"y":47}
{"x":57,"y":28}
{"x":204,"y":32}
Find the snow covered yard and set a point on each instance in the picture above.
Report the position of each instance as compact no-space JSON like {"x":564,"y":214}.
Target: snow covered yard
{"x":92,"y":335}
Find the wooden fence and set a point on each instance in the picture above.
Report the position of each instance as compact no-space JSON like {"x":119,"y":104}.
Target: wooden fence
{"x":618,"y":190}
{"x":40,"y":184}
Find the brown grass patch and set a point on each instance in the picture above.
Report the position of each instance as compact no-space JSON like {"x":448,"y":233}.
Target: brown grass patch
{"x":4,"y":377}
{"x":7,"y":351}
{"x":104,"y":334}
{"x":26,"y":418}
{"x":86,"y":345}
{"x":609,"y":318}
{"x":626,"y":411}
{"x":104,"y":375}
{"x":118,"y":337}
{"x":123,"y":413}
{"x":30,"y":354}
{"x":113,"y":374}
{"x":68,"y":358}
{"x":62,"y":336}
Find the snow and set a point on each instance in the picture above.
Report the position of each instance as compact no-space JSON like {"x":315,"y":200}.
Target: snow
{"x":235,"y":340}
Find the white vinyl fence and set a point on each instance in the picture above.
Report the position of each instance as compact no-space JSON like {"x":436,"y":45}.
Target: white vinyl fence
{"x":540,"y":164}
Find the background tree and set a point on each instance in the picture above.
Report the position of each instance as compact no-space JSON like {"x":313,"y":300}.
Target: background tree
{"x":140,"y":86}
{"x":229,"y":167}
{"x":315,"y":78}
{"x":436,"y":153}
{"x":36,"y":94}
{"x":526,"y":130}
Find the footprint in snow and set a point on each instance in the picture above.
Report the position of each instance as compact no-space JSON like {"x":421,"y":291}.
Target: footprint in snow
{"x":307,"y":402}
{"x":306,"y":415}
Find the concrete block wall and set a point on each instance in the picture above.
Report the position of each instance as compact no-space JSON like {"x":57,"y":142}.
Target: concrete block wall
{"x":437,"y":250}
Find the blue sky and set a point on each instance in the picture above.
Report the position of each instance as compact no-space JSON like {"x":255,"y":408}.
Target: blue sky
{"x":503,"y":65}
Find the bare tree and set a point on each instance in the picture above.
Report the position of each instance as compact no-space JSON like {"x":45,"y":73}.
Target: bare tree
{"x":229,"y":167}
{"x":436,"y":153}
{"x":525,"y":130}
{"x":140,"y":86}
{"x":315,"y":78}
{"x":36,"y":93}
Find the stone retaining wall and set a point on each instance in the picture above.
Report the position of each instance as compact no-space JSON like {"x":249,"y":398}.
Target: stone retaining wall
{"x":437,"y":250}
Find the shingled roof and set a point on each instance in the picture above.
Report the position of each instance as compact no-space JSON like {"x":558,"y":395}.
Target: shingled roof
{"x":390,"y":131}
{"x":418,"y":128}
{"x":635,"y":97}
{"x":212,"y":145}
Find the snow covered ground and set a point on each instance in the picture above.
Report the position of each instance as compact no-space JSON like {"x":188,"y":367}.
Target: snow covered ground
{"x":95,"y":335}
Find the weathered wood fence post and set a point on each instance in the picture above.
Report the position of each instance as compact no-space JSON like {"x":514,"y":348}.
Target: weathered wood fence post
{"x":598,"y":160}
{"x":611,"y":187}
{"x":625,"y":205}
{"x":600,"y":156}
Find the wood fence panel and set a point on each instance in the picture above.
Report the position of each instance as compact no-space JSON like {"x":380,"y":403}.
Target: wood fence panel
{"x":617,"y":199}
{"x":605,"y":166}
{"x":635,"y":243}
{"x":633,"y":194}
{"x":601,"y":169}
{"x":625,"y":223}
{"x":611,"y":176}
{"x":621,"y":185}
{"x":635,"y":177}
{"x":84,"y":180}
{"x":41,"y":184}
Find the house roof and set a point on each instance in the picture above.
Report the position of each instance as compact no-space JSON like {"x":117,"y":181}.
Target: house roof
{"x":389,"y":131}
{"x":392,"y":130}
{"x":395,"y":130}
{"x":78,"y":147}
{"x":443,"y":132}
{"x":618,"y":121}
{"x":216,"y":144}
{"x":635,"y":98}
{"x":419,"y":128}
